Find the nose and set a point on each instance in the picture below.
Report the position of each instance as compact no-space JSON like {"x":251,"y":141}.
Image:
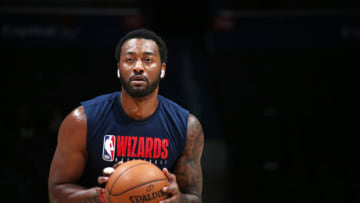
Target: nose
{"x":139,"y":67}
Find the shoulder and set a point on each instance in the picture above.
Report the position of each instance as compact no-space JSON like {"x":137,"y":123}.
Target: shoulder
{"x":73,"y":128}
{"x":174,"y":114}
{"x":101,"y":99}
{"x":75,"y":118}
{"x":171,"y":105}
{"x":194,"y":126}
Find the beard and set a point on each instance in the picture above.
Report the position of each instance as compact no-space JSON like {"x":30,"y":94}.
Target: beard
{"x":142,"y":91}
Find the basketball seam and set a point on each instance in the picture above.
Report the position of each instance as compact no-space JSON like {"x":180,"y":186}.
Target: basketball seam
{"x":136,"y":187}
{"x":109,"y":190}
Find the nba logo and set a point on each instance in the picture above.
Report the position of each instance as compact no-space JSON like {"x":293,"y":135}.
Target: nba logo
{"x":109,"y":148}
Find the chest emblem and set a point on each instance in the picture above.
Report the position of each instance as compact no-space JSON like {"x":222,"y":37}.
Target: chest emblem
{"x":109,"y":148}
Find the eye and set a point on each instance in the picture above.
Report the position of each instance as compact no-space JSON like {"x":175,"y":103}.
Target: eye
{"x":148,"y":60}
{"x":129,"y":60}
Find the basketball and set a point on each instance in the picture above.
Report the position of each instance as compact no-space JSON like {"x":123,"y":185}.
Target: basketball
{"x":136,"y":181}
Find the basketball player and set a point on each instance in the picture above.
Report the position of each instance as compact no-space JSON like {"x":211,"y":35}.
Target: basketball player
{"x":134,"y":123}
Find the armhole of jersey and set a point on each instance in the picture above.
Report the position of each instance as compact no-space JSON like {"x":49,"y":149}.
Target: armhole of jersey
{"x":87,"y":126}
{"x":186,"y":132}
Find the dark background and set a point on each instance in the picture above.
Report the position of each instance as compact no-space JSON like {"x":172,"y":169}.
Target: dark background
{"x":273,"y":82}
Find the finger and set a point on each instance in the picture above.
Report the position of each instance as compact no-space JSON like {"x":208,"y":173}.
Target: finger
{"x":118,"y":164}
{"x":171,"y":189}
{"x":165,"y":171}
{"x":108,"y":171}
{"x":102,"y":179}
{"x":100,"y":190}
{"x":171,"y":177}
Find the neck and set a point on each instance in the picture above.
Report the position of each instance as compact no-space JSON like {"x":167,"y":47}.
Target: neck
{"x":139,"y":108}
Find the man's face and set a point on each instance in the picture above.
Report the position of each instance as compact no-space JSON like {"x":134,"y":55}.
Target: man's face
{"x":140,"y":67}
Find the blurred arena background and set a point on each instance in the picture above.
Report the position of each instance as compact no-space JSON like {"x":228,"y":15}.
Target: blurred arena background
{"x":274,"y":83}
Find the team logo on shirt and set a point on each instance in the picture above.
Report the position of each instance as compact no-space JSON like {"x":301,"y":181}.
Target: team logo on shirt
{"x":109,"y":148}
{"x":142,"y":147}
{"x":125,"y":148}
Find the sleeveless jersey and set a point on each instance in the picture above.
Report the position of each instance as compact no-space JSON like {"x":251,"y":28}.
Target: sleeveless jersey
{"x":112,"y":136}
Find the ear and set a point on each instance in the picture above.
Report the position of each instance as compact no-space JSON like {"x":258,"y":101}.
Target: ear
{"x":163,"y":70}
{"x":118,"y":71}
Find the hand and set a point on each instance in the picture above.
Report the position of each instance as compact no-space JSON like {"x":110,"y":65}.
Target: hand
{"x":172,"y":189}
{"x":107,"y":173}
{"x":105,"y":178}
{"x":97,"y":195}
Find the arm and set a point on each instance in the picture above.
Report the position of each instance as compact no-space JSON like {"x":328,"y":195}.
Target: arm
{"x":186,"y":185}
{"x":69,"y":162}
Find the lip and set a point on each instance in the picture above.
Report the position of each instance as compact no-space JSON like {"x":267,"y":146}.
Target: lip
{"x":138,"y":82}
{"x":138,"y":78}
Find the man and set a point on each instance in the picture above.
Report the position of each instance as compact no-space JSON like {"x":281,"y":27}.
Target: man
{"x":134,"y":123}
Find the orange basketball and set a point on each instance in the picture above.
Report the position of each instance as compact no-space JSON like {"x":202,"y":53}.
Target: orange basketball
{"x":136,"y":181}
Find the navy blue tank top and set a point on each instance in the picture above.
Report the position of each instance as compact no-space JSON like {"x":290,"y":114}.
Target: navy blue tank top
{"x":112,"y":136}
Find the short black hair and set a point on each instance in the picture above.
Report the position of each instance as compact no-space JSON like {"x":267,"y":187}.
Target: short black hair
{"x":143,"y":33}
